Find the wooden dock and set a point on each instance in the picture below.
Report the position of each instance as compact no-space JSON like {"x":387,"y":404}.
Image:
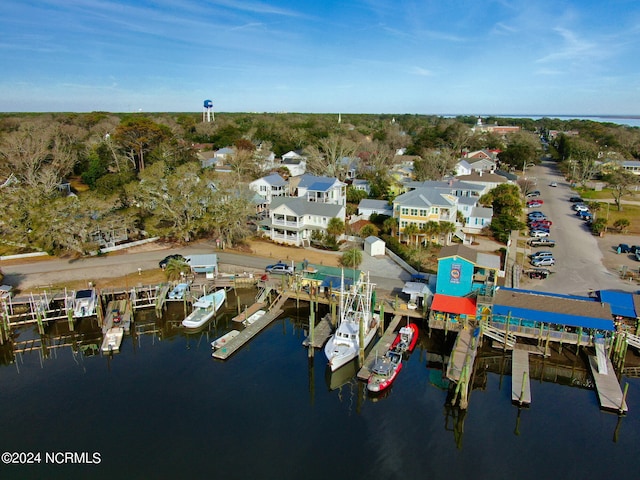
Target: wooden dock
{"x":464,"y":353}
{"x":251,"y":330}
{"x":609,"y":391}
{"x":321,"y":333}
{"x":117,"y":309}
{"x":520,"y":378}
{"x":380,"y":348}
{"x":248,"y":312}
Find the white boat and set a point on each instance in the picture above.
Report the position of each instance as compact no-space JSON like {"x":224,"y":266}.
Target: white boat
{"x":84,"y":303}
{"x":254,"y":317}
{"x":112,"y":339}
{"x":223,"y":340}
{"x":205,"y":308}
{"x":355,"y":309}
{"x":178,"y":291}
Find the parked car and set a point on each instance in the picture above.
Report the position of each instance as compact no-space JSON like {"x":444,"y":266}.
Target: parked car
{"x":544,"y":262}
{"x":279,"y":268}
{"x":537,"y":214}
{"x":542,"y":242}
{"x":539,"y":273}
{"x":623,"y":248}
{"x":584,"y":215}
{"x":538,"y":233}
{"x":576,"y":200}
{"x":535,"y":193}
{"x":163,"y":263}
{"x":553,"y":184}
{"x":534,"y":203}
{"x":637,"y":255}
{"x":541,"y":254}
{"x":539,"y":223}
{"x":580,"y":207}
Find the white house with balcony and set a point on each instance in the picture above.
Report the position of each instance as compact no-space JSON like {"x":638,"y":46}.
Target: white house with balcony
{"x":292,"y":220}
{"x":267,"y":187}
{"x":322,"y":189}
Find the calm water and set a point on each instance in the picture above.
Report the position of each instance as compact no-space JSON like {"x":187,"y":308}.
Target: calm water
{"x":164,"y":408}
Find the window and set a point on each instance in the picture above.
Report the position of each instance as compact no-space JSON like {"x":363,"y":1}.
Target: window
{"x":414,"y":212}
{"x":423,"y":213}
{"x":404,"y":211}
{"x":403,"y":223}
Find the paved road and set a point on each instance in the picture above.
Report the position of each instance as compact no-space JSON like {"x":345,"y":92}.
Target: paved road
{"x":384,"y":272}
{"x":579,"y":266}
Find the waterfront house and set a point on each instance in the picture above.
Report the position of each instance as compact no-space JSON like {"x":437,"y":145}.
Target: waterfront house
{"x":267,"y":187}
{"x":292,"y":220}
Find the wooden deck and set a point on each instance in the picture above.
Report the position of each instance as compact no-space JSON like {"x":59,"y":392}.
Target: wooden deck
{"x":321,"y":333}
{"x":520,"y":378}
{"x":251,"y":330}
{"x":380,"y":348}
{"x":464,"y":352}
{"x":248,"y":312}
{"x":609,"y":391}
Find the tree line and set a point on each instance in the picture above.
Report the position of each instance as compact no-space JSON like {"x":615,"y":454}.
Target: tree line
{"x":68,"y":178}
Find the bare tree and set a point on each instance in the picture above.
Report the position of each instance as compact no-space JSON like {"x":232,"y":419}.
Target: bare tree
{"x":327,"y":157}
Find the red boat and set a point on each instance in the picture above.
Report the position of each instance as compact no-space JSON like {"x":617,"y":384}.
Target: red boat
{"x":386,"y":369}
{"x":406,"y":339}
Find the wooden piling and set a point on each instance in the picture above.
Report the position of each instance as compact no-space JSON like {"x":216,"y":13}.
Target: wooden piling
{"x":312,"y":327}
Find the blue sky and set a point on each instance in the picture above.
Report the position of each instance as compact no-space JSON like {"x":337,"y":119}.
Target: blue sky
{"x":360,"y":56}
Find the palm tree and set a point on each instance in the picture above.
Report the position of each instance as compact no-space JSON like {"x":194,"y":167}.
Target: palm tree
{"x":447,"y":229}
{"x":176,"y":268}
{"x":390,"y":225}
{"x":410,"y":230}
{"x":352,"y":258}
{"x":430,"y":229}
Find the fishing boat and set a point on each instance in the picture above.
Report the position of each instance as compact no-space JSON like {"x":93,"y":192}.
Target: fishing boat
{"x":178,"y":291}
{"x":112,"y":339}
{"x":205,"y":308}
{"x":355,"y":313}
{"x":84,"y":303}
{"x":223,"y":340}
{"x":254,"y":317}
{"x":406,"y":339}
{"x":384,"y":371}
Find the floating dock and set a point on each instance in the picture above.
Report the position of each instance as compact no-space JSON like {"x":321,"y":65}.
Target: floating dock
{"x":248,"y":312}
{"x":234,"y":344}
{"x":609,"y":391}
{"x":380,"y":348}
{"x":520,"y":379}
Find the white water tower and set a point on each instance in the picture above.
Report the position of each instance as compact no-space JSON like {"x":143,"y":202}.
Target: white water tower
{"x":207,"y":111}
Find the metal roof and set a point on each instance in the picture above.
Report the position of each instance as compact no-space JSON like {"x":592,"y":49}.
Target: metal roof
{"x":622,"y":303}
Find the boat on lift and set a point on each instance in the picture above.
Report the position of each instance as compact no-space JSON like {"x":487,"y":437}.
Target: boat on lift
{"x":85,"y":303}
{"x":205,"y":308}
{"x":384,"y":371}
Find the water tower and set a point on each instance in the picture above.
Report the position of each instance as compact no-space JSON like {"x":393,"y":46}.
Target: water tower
{"x":207,"y":111}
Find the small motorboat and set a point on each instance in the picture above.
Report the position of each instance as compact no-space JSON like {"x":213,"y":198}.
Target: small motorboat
{"x":84,"y":303}
{"x":178,"y":291}
{"x":384,"y":371}
{"x":406,"y":339}
{"x":254,"y":317}
{"x":205,"y":308}
{"x":225,"y":339}
{"x":112,"y":340}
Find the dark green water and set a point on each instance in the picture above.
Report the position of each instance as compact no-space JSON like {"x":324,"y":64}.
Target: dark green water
{"x":164,"y":408}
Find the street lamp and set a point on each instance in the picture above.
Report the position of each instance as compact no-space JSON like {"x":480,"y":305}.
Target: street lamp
{"x":524,"y":167}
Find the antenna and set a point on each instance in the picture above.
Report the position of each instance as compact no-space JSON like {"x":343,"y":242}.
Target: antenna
{"x":207,"y":111}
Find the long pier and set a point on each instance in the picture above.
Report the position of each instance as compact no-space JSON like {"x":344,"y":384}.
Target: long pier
{"x":520,"y":377}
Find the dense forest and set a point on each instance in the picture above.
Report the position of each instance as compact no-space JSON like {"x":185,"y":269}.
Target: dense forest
{"x":68,"y":179}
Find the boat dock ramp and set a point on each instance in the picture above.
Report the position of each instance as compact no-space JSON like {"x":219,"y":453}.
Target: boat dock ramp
{"x":118,"y":314}
{"x":609,"y":392}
